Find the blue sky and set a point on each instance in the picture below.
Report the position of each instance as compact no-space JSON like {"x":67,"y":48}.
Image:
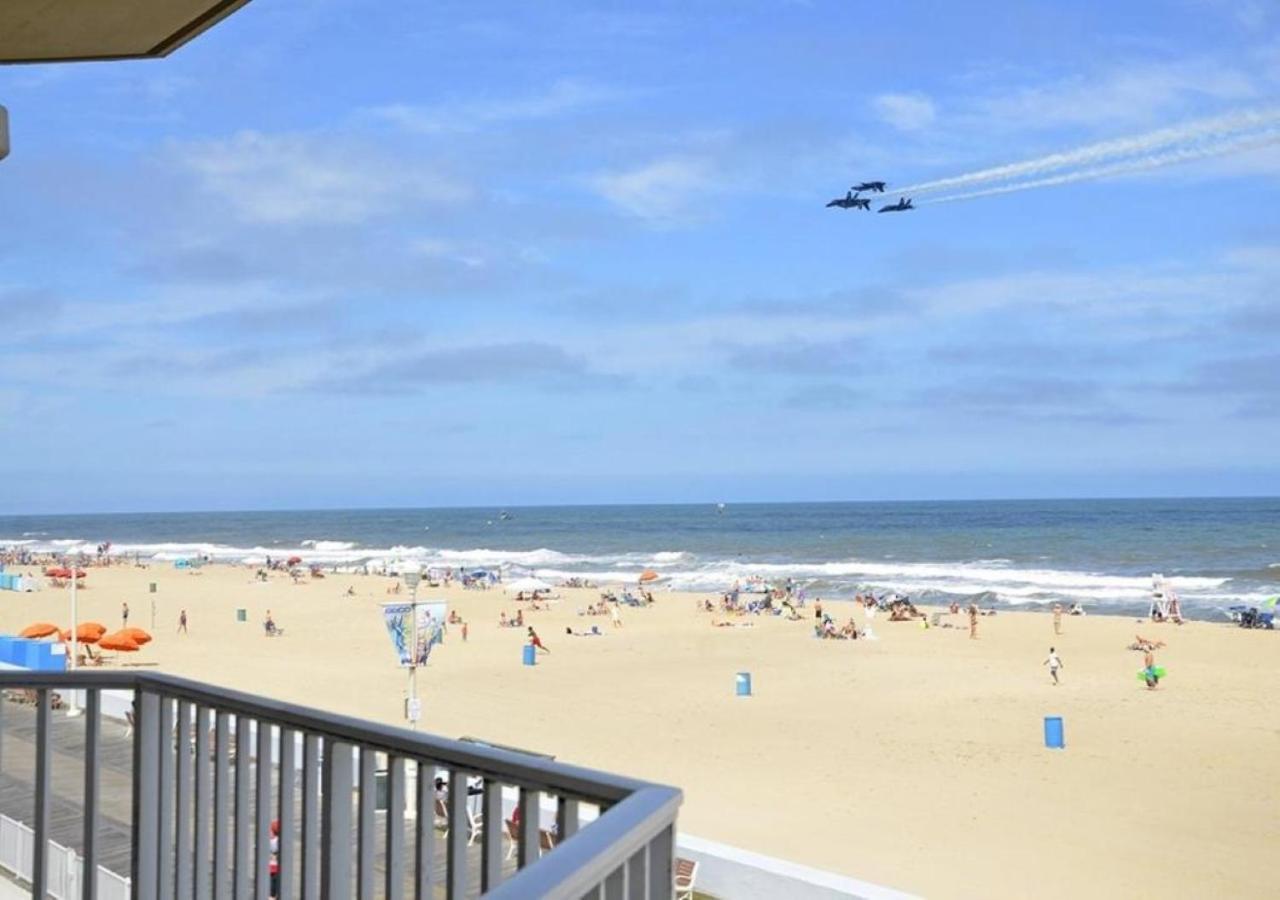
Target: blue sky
{"x":338,"y":253}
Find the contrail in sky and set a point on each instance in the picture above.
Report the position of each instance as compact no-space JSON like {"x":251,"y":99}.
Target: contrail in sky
{"x":1128,"y":166}
{"x":1198,"y":138}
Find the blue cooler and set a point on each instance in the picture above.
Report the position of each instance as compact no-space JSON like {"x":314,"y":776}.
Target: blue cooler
{"x":530,"y":658}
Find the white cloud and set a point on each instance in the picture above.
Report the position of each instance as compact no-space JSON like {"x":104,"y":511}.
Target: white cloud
{"x":1133,"y":93}
{"x":284,"y":179}
{"x":906,"y":112}
{"x":659,"y":191}
{"x":563,"y":97}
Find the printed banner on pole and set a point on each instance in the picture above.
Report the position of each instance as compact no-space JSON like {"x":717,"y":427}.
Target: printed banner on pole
{"x":399,"y":619}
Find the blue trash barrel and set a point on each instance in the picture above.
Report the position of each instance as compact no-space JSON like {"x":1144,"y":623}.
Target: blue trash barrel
{"x":1054,"y":737}
{"x":530,"y":659}
{"x":744,"y":684}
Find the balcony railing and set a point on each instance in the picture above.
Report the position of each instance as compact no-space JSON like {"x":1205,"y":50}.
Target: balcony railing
{"x":212,"y":773}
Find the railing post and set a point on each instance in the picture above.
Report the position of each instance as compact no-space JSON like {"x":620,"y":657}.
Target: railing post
{"x":221,"y":806}
{"x":146,"y":806}
{"x":242,"y":877}
{"x":494,"y":826}
{"x":182,"y":815}
{"x":201,"y":853}
{"x":425,"y":838}
{"x":92,"y":735}
{"x":44,"y":758}
{"x":394,"y":889}
{"x":456,"y":854}
{"x":262,"y":808}
{"x":311,"y":818}
{"x":366,"y":839}
{"x":164,"y":873}
{"x":530,"y":826}
{"x":336,"y":820}
{"x":661,"y":860}
{"x":288,"y":791}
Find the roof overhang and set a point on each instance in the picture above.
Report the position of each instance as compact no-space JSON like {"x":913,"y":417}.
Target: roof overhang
{"x":36,"y":31}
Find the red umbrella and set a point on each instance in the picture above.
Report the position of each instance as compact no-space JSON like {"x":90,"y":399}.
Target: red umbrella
{"x":649,"y":575}
{"x":293,"y":560}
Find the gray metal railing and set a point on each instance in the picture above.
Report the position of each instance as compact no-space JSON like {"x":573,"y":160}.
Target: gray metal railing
{"x":214,"y":770}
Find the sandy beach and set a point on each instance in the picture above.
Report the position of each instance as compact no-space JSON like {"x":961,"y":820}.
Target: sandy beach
{"x":915,"y":760}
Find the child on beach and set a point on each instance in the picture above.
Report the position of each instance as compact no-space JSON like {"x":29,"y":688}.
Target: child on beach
{"x":182,"y":622}
{"x":1054,"y":663}
{"x":1149,"y":670}
{"x":536,"y":641}
{"x":1057,"y":618}
{"x":973,"y":621}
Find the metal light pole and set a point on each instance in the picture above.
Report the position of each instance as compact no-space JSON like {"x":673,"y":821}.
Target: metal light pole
{"x":72,"y":708}
{"x":412,"y":709}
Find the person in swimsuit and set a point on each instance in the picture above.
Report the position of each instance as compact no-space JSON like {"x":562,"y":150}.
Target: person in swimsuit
{"x":1054,"y":663}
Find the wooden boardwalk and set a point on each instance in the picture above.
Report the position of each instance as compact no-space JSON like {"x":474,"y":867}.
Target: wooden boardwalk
{"x":115,"y":774}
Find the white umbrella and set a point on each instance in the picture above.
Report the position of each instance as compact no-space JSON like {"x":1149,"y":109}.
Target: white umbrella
{"x":527,"y":586}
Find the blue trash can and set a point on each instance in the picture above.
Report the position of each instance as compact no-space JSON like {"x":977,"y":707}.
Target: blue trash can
{"x":1054,"y":737}
{"x":530,"y":658}
{"x":744,"y":684}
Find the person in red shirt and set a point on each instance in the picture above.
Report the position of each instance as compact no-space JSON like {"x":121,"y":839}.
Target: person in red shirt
{"x":536,"y":641}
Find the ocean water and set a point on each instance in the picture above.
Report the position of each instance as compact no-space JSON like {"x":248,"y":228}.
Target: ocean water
{"x":1102,"y":553}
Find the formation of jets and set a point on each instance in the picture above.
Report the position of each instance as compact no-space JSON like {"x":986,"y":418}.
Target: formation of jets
{"x":851,"y":200}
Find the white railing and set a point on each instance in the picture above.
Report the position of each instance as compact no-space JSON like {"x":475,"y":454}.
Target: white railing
{"x":17,"y":850}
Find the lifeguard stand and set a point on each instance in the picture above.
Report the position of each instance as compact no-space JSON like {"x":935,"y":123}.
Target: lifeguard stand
{"x":1165,"y":603}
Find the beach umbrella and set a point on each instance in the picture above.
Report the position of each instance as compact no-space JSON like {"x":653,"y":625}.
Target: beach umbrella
{"x":86,"y":633}
{"x":39,"y":630}
{"x":649,"y":575}
{"x":1271,"y":601}
{"x":139,"y":636}
{"x":527,"y":586}
{"x":118,"y":641}
{"x":293,"y":560}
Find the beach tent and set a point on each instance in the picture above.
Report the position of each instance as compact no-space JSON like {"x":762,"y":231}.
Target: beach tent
{"x":526,"y":586}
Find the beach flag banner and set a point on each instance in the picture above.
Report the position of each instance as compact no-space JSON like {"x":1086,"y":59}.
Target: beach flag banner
{"x":399,"y":620}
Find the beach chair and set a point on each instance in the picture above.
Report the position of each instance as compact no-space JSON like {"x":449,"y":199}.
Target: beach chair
{"x":546,"y":840}
{"x":686,"y":876}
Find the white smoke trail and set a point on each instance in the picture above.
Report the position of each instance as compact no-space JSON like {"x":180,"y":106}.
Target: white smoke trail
{"x":1195,"y":131}
{"x":1129,"y":166}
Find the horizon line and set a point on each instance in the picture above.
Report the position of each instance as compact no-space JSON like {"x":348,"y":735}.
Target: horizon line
{"x":645,"y":504}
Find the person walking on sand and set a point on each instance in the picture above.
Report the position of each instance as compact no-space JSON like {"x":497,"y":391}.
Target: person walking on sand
{"x":182,"y":622}
{"x":1054,"y":663}
{"x":536,"y":641}
{"x":1057,"y":618}
{"x":124,"y":614}
{"x":973,"y":621}
{"x":614,"y":616}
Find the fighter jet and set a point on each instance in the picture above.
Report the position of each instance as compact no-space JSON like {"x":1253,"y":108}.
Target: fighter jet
{"x":900,"y":206}
{"x":851,"y":201}
{"x":877,"y":186}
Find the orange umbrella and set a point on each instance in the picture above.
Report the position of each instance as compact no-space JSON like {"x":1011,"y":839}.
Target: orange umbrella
{"x":139,"y":636}
{"x":39,"y":630}
{"x":86,"y":633}
{"x":118,"y":641}
{"x":649,"y":575}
